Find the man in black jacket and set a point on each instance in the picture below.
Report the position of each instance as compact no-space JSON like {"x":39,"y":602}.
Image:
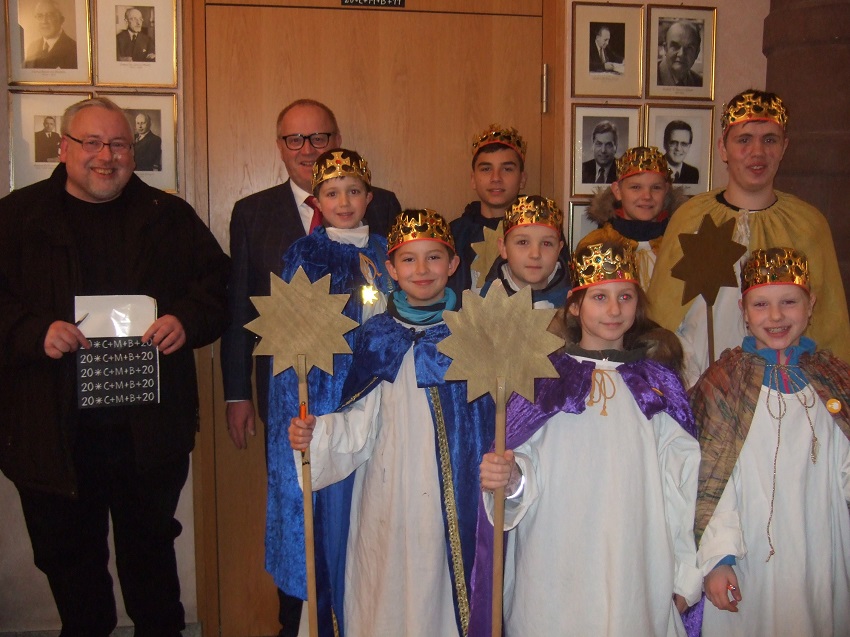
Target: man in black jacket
{"x":94,"y":228}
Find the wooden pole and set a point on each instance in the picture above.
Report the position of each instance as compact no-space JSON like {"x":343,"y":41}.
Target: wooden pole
{"x":307,"y":489}
{"x":499,"y":514}
{"x":709,"y":316}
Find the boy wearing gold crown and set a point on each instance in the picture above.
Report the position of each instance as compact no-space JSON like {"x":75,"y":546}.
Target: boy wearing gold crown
{"x":413,"y":444}
{"x":531,"y":252}
{"x":355,"y":259}
{"x":498,"y":176}
{"x":752,"y":144}
{"x":774,"y":420}
{"x":638,"y":205}
{"x":601,"y":480}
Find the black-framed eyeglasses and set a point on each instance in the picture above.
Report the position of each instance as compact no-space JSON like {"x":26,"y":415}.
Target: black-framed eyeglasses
{"x":296,"y":141}
{"x":94,"y":146}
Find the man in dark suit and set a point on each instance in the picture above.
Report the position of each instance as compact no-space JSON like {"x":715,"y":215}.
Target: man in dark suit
{"x":47,"y":141}
{"x":678,"y":137}
{"x":132,"y":44}
{"x":600,"y":57}
{"x":262,"y":227}
{"x":601,"y":169}
{"x":147,"y":147}
{"x":53,"y":49}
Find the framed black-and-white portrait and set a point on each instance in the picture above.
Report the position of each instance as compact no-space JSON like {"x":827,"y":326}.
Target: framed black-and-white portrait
{"x":35,"y":125}
{"x":577,"y":224}
{"x":680,"y":55}
{"x":685,"y":134}
{"x":601,"y":134}
{"x":153,"y":120}
{"x":135,"y":43}
{"x":607,"y":50}
{"x":48,"y":42}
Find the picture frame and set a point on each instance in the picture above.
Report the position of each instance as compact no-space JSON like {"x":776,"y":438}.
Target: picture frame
{"x":601,"y":134}
{"x":577,"y":224}
{"x":156,"y":156}
{"x":48,"y":42}
{"x":614,"y":32}
{"x":669,"y":127}
{"x":680,"y":55}
{"x":136,"y":43}
{"x":28,"y":128}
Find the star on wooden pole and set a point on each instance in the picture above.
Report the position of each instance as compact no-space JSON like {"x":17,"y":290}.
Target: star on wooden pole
{"x":487,"y":251}
{"x":708,"y":264}
{"x":302,"y":325}
{"x":499,"y":345}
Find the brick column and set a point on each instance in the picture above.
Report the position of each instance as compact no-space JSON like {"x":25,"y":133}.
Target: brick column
{"x":807,"y":45}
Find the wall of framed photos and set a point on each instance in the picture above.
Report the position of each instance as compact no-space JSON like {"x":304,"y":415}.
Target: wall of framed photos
{"x":61,"y":51}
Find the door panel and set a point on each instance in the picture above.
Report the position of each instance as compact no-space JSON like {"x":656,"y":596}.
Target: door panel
{"x":409,"y":89}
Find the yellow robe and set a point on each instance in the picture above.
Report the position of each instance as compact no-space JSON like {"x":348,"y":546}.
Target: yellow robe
{"x":790,"y":222}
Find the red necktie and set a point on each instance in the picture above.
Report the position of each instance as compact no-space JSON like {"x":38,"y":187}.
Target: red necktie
{"x":316,"y":221}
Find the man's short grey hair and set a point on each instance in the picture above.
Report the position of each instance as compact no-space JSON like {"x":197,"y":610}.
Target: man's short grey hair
{"x":127,"y":13}
{"x":73,"y":109}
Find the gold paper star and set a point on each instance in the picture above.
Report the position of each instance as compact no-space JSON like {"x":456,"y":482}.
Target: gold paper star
{"x":708,"y":260}
{"x":487,"y":251}
{"x":301,"y":318}
{"x":499,"y":336}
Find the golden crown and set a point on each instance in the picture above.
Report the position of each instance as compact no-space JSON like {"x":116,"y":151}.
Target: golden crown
{"x":601,"y":258}
{"x":754,"y":106}
{"x":641,"y":159}
{"x":497,"y":134}
{"x":340,"y":162}
{"x":413,"y":225}
{"x":775,"y":265}
{"x":534,"y":210}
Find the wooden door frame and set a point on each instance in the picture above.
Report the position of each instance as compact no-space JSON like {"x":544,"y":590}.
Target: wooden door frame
{"x":197,"y":193}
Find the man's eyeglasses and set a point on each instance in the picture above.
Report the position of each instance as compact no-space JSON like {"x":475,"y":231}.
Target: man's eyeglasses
{"x":296,"y":141}
{"x":94,"y":146}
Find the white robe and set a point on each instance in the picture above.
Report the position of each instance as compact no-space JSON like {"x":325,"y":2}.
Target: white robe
{"x":602,"y":533}
{"x":804,"y":590}
{"x":397,"y":579}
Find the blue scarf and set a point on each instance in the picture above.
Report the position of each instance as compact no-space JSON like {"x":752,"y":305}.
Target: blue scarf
{"x":399,"y":307}
{"x":789,"y":375}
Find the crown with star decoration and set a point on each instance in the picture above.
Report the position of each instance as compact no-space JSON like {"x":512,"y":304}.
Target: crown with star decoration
{"x":755,"y":106}
{"x":642,"y":159}
{"x":775,"y":266}
{"x":599,"y":259}
{"x":534,"y":210}
{"x":498,"y":134}
{"x":416,"y":225}
{"x":340,"y":162}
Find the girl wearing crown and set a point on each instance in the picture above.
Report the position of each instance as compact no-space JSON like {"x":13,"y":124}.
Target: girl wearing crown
{"x":344,"y":249}
{"x":601,"y":481}
{"x":774,"y":484}
{"x":638,"y":206}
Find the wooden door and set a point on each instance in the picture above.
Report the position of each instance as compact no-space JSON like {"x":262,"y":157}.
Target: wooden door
{"x":409,"y":88}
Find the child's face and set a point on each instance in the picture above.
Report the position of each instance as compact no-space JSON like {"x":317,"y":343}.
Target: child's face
{"x":606,"y":314}
{"x":642,"y":195}
{"x":777,"y":315}
{"x":422,"y":269}
{"x":497,"y":178}
{"x":532,"y":253}
{"x":343,"y":201}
